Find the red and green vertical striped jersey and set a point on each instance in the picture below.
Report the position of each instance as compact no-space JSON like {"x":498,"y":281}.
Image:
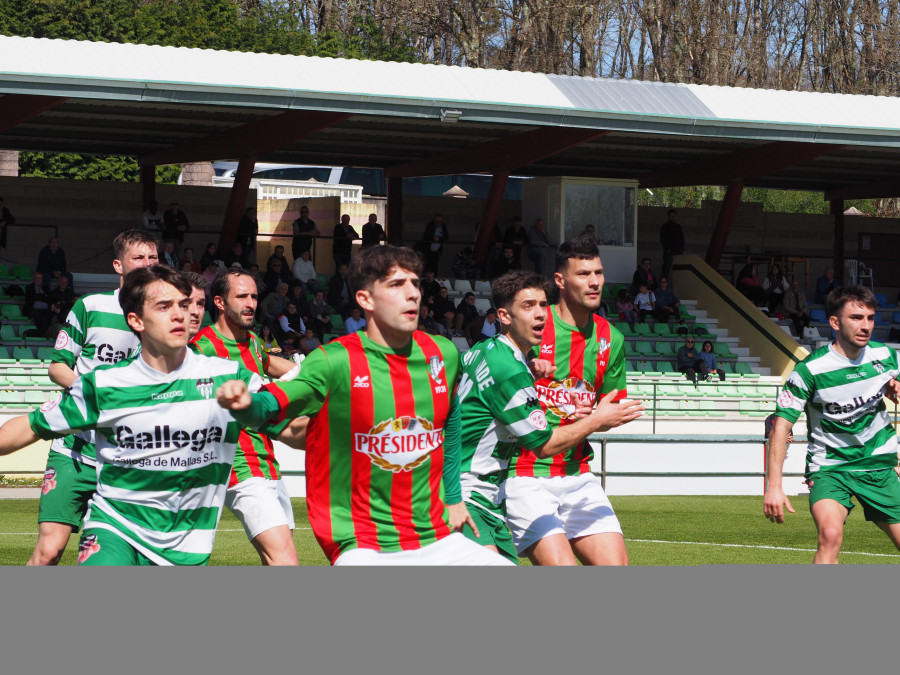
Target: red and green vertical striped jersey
{"x":255,"y":455}
{"x":589,"y":362}
{"x":374,"y":444}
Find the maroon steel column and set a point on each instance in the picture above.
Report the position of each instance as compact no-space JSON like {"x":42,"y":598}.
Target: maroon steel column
{"x":723,"y":226}
{"x":236,"y":203}
{"x":489,"y":216}
{"x":394,"y":224}
{"x":148,"y":185}
{"x":837,"y":210}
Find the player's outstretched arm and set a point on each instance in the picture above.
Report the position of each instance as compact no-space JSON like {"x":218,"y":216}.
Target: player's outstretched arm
{"x":234,"y":395}
{"x":250,"y":410}
{"x":294,"y":434}
{"x":775,"y":500}
{"x":61,"y":374}
{"x":16,"y":434}
{"x":607,"y":415}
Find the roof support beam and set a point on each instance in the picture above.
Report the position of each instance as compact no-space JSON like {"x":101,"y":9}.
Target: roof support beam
{"x":237,"y":202}
{"x":395,"y":211}
{"x":256,"y":138}
{"x":837,"y":211}
{"x":504,"y":154}
{"x":18,"y":108}
{"x":723,"y":226}
{"x":884,"y":188}
{"x":489,"y":215}
{"x":742,"y":165}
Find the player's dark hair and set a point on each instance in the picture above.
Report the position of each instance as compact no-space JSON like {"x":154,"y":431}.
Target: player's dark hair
{"x":376,"y":263}
{"x":505,"y":287}
{"x":134,"y":286}
{"x":221,"y":285}
{"x":838,"y":297}
{"x":197,"y":280}
{"x":582,"y":247}
{"x":131,"y":237}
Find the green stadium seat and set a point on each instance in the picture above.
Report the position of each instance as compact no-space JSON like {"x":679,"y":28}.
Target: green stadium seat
{"x":721,"y":349}
{"x":630,"y":351}
{"x":37,"y":397}
{"x":702,"y":331}
{"x":665,"y":367}
{"x":45,"y":353}
{"x":8,"y":398}
{"x":5,"y":357}
{"x":662,"y":329}
{"x":11,"y":311}
{"x":22,"y":273}
{"x":642,"y":329}
{"x":24,"y":355}
{"x":665,"y":348}
{"x":750,"y":391}
{"x":337,"y":322}
{"x":624,"y":328}
{"x":643,"y":366}
{"x":711,"y":408}
{"x":744,"y":370}
{"x":644,"y":347}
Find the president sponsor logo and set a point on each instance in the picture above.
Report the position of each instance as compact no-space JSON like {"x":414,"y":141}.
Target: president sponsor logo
{"x":399,"y":444}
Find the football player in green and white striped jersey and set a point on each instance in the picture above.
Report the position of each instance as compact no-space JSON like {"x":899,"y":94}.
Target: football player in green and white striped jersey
{"x":164,"y":447}
{"x":95,"y":334}
{"x":852,"y":450}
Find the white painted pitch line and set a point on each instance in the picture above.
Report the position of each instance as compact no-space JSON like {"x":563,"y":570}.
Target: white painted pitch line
{"x":769,"y":548}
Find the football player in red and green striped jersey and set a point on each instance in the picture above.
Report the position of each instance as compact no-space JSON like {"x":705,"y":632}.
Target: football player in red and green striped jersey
{"x":382,"y":448}
{"x":256,"y":494}
{"x":556,"y":508}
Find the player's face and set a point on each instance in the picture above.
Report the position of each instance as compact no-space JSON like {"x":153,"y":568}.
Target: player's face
{"x":195,"y":311}
{"x":240,"y":305}
{"x":853,"y":325}
{"x":135,"y":256}
{"x":525,"y":318}
{"x":581,"y":282}
{"x":164,"y":323}
{"x":393,"y":303}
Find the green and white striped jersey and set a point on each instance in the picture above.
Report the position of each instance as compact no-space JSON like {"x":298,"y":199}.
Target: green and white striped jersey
{"x":848,"y":425}
{"x":500,"y":414}
{"x":95,"y":334}
{"x":164,"y":451}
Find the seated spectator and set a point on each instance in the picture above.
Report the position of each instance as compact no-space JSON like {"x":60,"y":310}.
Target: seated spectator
{"x":825,"y":284}
{"x":290,"y":328}
{"x":709,"y":358}
{"x":258,"y":278}
{"x":209,"y":255}
{"x":625,"y":307}
{"x":298,"y":297}
{"x":644,"y":302}
{"x":268,"y":341}
{"x":429,"y":286}
{"x":237,"y":256}
{"x":748,"y":284}
{"x":51,"y":263}
{"x":372,"y":232}
{"x":775,"y":285}
{"x":356,"y":321}
{"x":690,"y":362}
{"x":516,"y":236}
{"x":275,"y":275}
{"x":309,"y":342}
{"x":320,"y":315}
{"x":277,"y":254}
{"x":37,"y":303}
{"x":152,"y":219}
{"x":210,"y":272}
{"x":188,"y":256}
{"x":273,"y":306}
{"x":463,"y":266}
{"x":63,"y":295}
{"x":506,"y":262}
{"x":668,"y":306}
{"x":490,"y":325}
{"x":467,"y":321}
{"x":796,"y":308}
{"x":602,"y":310}
{"x":444,"y":309}
{"x":339,"y":295}
{"x":304,"y":271}
{"x":168,"y":255}
{"x":643,"y":275}
{"x":427,"y":321}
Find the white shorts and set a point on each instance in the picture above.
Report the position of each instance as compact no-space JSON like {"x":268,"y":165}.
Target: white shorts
{"x":452,"y":550}
{"x":572,"y":505}
{"x":260,"y":504}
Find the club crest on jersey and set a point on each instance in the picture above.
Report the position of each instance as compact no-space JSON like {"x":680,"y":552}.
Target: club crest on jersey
{"x":561,"y":397}
{"x":436,"y":367}
{"x":87,"y":547}
{"x":399,"y":444}
{"x":205,"y":387}
{"x":602,"y":346}
{"x":49,"y":481}
{"x":879,"y":366}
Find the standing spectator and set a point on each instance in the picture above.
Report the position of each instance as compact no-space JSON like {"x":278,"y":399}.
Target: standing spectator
{"x":210,"y":255}
{"x":644,"y":302}
{"x":775,"y":285}
{"x":709,"y":358}
{"x":305,"y":272}
{"x":625,"y":308}
{"x":304,"y":230}
{"x":668,"y":306}
{"x":152,"y":219}
{"x":175,"y":224}
{"x":433,"y":241}
{"x":51,"y":263}
{"x":825,"y":284}
{"x":187,"y":256}
{"x":372,"y":232}
{"x":463,"y":265}
{"x":495,"y":251}
{"x":320,"y":315}
{"x":796,"y":308}
{"x":6,"y":221}
{"x":342,"y":244}
{"x":247,"y":231}
{"x":63,"y":295}
{"x":539,"y":246}
{"x":237,"y":256}
{"x":690,"y":362}
{"x":467,"y":320}
{"x":671,"y":236}
{"x":169,"y":257}
{"x":339,"y":295}
{"x":748,"y":284}
{"x":37,"y":303}
{"x":356,"y":321}
{"x":643,"y":275}
{"x":505,"y":262}
{"x":517,"y":237}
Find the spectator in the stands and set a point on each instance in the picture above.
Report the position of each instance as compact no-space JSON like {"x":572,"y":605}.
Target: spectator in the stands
{"x":258,"y":278}
{"x":342,"y":241}
{"x":309,"y":342}
{"x":297,"y":295}
{"x":494,"y":251}
{"x":51,"y":263}
{"x":490,"y":326}
{"x":539,"y":245}
{"x":210,"y":272}
{"x":467,"y":320}
{"x":432,"y":244}
{"x":430,"y":287}
{"x":671,"y":236}
{"x":237,"y":256}
{"x":356,"y":321}
{"x":505,"y":262}
{"x":304,"y":229}
{"x":275,"y":275}
{"x":372,"y":232}
{"x":268,"y":341}
{"x":210,"y":254}
{"x":796,"y":308}
{"x":175,"y":224}
{"x":273,"y":306}
{"x":643,"y":275}
{"x":278,"y":254}
{"x":825,"y":284}
{"x":320,"y":315}
{"x":290,"y":328}
{"x":248,"y":229}
{"x":668,"y":306}
{"x":339,"y":295}
{"x":63,"y":295}
{"x":625,"y":307}
{"x":517,"y":237}
{"x":169,"y":257}
{"x":644,"y":302}
{"x":152,"y":219}
{"x":304,"y":271}
{"x":775,"y":285}
{"x":444,"y":309}
{"x":588,"y":229}
{"x":187,"y":255}
{"x":37,"y":303}
{"x":428,"y":323}
{"x":463,"y":266}
{"x":690,"y":362}
{"x":6,"y":220}
{"x":748,"y":284}
{"x":709,"y":358}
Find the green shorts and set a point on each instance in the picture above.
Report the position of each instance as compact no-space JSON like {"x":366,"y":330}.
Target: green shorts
{"x":877,"y":491}
{"x":98,"y":547}
{"x":493,"y":531}
{"x":68,"y":487}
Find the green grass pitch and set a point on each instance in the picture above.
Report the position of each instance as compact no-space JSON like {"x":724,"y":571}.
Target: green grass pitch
{"x":662,"y":531}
